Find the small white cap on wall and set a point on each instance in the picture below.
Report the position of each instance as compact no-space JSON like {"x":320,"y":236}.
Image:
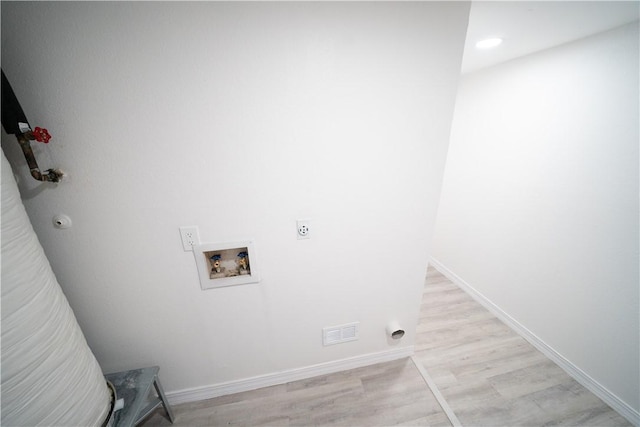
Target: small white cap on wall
{"x":61,"y":221}
{"x":394,"y":330}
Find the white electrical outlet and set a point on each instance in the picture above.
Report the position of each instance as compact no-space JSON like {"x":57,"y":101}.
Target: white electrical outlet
{"x":303,"y":228}
{"x":190,"y":237}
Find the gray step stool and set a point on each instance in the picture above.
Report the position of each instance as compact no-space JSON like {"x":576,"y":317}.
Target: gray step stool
{"x":134,"y":387}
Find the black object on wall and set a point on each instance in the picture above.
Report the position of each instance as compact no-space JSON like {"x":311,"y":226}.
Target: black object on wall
{"x":12,"y":116}
{"x":12,"y":112}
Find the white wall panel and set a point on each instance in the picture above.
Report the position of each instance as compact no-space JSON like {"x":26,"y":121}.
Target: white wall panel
{"x":539,"y":210}
{"x":239,"y":118}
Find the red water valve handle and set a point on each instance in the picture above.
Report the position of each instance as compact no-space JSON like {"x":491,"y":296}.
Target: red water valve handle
{"x":41,"y":135}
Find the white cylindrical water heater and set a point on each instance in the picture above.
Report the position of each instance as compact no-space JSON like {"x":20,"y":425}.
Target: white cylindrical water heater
{"x":49,"y":374}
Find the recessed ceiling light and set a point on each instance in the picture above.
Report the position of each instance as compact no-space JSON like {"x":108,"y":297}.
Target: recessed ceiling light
{"x":488,"y":43}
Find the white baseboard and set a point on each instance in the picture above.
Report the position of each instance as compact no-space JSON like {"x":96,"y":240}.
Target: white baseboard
{"x":246,"y":384}
{"x":578,"y":374}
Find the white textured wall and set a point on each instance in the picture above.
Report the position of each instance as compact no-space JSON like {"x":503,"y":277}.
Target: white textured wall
{"x":539,"y":208}
{"x":238,"y":118}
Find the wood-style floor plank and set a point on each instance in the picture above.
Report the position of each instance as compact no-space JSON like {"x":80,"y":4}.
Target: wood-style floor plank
{"x":488,"y":375}
{"x":392,"y":393}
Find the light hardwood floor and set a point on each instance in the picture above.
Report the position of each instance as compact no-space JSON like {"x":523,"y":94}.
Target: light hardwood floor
{"x":487,"y":373}
{"x":386,"y":394}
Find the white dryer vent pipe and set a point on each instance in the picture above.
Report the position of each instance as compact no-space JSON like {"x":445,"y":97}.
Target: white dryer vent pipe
{"x":394,"y":330}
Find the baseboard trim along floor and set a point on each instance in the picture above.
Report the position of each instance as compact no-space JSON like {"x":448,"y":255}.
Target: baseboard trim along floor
{"x":579,"y":375}
{"x":246,"y":384}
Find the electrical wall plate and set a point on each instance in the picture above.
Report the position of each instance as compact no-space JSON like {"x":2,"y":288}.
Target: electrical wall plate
{"x":303,"y":229}
{"x":190,"y":237}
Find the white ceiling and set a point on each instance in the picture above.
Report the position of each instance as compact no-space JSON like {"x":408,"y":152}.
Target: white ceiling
{"x":531,"y":26}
